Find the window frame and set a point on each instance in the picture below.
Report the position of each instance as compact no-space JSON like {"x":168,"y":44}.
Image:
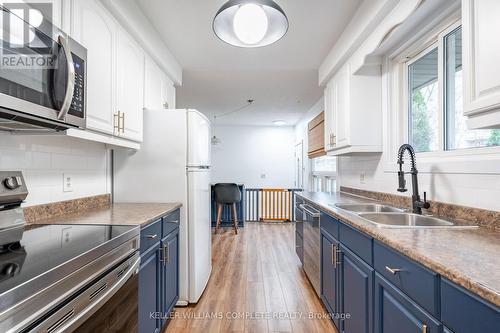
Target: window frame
{"x":399,"y":68}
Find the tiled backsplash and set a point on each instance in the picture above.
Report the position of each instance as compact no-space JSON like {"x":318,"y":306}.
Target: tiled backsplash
{"x":45,"y":159}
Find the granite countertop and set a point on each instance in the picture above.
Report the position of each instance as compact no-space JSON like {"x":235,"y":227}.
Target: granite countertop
{"x":116,"y":214}
{"x":468,"y":257}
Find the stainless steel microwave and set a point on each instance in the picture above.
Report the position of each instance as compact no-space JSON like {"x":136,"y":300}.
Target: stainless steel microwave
{"x":42,"y":75}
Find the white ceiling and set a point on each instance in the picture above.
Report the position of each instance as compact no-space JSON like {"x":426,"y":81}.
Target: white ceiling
{"x":219,"y":78}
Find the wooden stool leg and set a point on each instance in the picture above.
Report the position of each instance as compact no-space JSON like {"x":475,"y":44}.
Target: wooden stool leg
{"x":219,"y":217}
{"x":235,"y":219}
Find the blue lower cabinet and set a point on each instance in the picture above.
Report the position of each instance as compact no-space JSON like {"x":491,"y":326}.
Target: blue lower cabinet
{"x":357,"y":293}
{"x":330,"y":276}
{"x":169,"y":264}
{"x":149,"y":278}
{"x":463,"y":312}
{"x":159,"y":273}
{"x":397,"y":313}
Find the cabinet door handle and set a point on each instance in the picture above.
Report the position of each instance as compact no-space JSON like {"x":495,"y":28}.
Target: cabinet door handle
{"x":166,"y":254}
{"x":151,"y":236}
{"x":116,"y":123}
{"x":424,"y":328}
{"x":393,"y":271}
{"x":337,"y":257}
{"x":334,"y":256}
{"x":121,"y":124}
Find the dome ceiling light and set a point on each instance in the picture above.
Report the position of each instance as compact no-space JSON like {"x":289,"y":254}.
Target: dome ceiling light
{"x":250,"y":23}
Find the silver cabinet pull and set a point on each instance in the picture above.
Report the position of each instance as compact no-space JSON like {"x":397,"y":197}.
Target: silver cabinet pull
{"x":393,"y":271}
{"x":334,"y":256}
{"x":166,"y":254}
{"x":337,"y":257}
{"x":116,"y":123}
{"x":151,"y":236}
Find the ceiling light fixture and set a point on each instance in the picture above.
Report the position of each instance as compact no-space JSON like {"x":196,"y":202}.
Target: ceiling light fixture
{"x":279,"y":122}
{"x":250,"y":23}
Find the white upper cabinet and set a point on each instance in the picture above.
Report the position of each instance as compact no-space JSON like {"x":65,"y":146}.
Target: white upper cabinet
{"x":481,"y":52}
{"x":168,"y":90}
{"x":130,"y":86}
{"x":159,"y":92}
{"x":353,"y":113}
{"x":95,"y":29}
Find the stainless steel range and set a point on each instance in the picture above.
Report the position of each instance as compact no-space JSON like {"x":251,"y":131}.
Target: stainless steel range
{"x":53,"y":278}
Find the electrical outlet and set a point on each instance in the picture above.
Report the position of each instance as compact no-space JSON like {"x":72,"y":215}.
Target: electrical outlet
{"x":66,"y":237}
{"x":67,"y":182}
{"x":362,"y":177}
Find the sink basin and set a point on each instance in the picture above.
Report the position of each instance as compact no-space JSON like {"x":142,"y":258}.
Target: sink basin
{"x":367,"y":208}
{"x":407,"y":220}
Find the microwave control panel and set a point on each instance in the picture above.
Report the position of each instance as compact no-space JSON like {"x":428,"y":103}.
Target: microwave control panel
{"x":78,"y":103}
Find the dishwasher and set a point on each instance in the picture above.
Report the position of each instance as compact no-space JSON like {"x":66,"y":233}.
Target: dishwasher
{"x":312,"y":245}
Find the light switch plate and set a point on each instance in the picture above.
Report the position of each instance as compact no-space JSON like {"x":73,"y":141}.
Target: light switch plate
{"x":67,"y":182}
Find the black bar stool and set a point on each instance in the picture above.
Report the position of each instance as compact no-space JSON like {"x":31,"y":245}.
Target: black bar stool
{"x":227,"y":194}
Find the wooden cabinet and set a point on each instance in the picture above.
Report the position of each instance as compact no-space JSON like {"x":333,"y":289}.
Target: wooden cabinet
{"x":353,"y":113}
{"x":316,"y":135}
{"x":130,"y":85}
{"x":357,"y":292}
{"x":159,"y":273}
{"x":95,"y":28}
{"x":481,"y":73}
{"x":159,"y":90}
{"x":396,"y":313}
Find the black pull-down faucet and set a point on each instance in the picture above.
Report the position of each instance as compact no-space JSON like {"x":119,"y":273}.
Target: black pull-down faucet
{"x":417,"y":204}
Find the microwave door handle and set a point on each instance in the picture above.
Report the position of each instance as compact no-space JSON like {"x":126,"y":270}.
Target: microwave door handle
{"x":70,"y":88}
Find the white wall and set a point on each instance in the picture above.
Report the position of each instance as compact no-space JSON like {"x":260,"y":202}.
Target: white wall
{"x":245,"y":153}
{"x":301,"y":135}
{"x":44,"y":160}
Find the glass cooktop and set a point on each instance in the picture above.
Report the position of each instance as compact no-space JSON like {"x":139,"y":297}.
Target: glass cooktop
{"x":29,"y":251}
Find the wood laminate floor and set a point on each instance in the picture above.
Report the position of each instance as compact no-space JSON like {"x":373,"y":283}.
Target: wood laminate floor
{"x":257,"y":285}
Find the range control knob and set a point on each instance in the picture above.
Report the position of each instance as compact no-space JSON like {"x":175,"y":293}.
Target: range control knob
{"x":12,"y":183}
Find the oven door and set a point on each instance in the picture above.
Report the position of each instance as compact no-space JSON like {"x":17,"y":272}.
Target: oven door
{"x":39,"y":74}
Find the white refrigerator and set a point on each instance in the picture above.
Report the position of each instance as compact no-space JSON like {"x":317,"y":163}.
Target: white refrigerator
{"x":173,"y":165}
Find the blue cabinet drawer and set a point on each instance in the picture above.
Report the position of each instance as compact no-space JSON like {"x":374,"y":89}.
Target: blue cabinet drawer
{"x":463,"y":312}
{"x":150,"y":236}
{"x":416,"y":281}
{"x":330,"y":225}
{"x":170,"y":222}
{"x":357,"y":242}
{"x":397,"y":313}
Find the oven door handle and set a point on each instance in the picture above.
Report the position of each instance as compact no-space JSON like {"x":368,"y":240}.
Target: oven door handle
{"x":70,"y":88}
{"x":82,"y":316}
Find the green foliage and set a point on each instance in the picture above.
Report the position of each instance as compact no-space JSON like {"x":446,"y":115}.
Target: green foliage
{"x":494,"y":139}
{"x":421,"y":128}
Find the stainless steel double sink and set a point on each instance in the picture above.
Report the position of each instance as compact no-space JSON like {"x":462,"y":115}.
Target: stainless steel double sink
{"x":384,"y":216}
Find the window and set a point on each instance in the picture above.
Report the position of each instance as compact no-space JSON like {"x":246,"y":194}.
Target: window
{"x":424,"y":102}
{"x":324,"y":174}
{"x":435,"y":118}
